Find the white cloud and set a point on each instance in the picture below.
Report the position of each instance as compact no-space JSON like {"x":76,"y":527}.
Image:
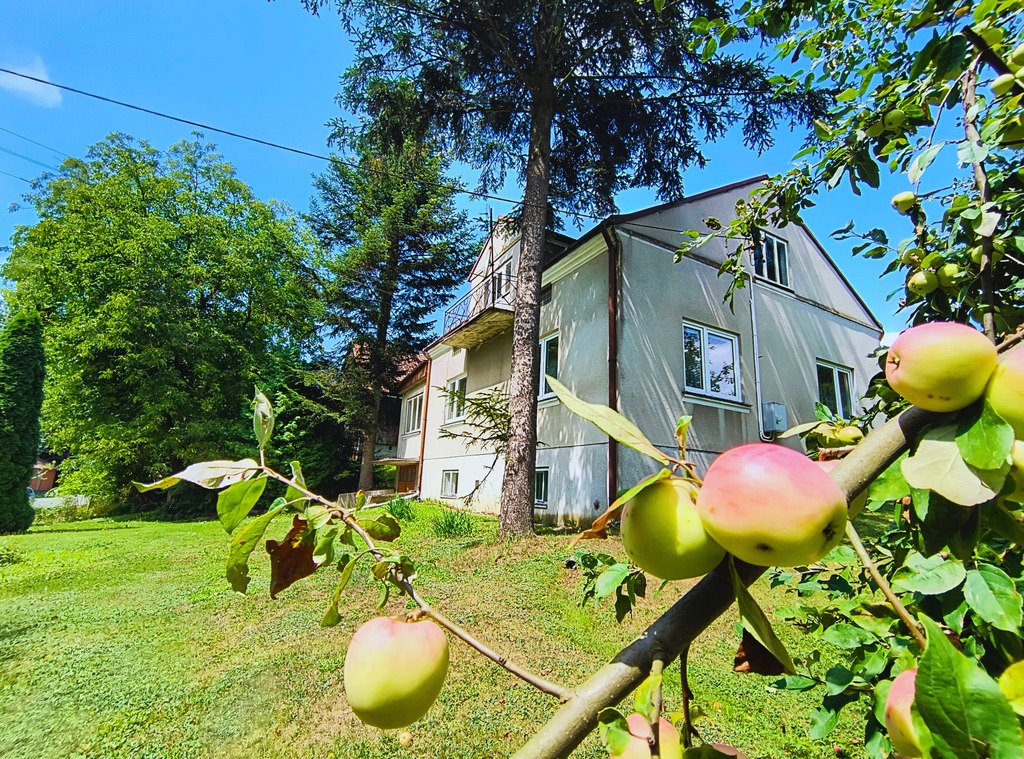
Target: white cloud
{"x":35,"y":92}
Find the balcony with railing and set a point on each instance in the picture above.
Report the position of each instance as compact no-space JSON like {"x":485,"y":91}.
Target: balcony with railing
{"x":482,"y":313}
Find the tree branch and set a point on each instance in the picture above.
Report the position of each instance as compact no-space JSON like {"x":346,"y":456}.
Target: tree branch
{"x":671,"y":633}
{"x":347,"y":516}
{"x":884,"y":586}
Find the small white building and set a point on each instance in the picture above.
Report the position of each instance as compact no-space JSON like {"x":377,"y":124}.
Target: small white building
{"x":624,"y":325}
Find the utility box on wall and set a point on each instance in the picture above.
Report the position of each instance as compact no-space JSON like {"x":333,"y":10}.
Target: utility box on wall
{"x":773,"y":418}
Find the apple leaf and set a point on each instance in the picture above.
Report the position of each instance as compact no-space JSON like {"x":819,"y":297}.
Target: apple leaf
{"x":937,"y":465}
{"x":752,"y":657}
{"x":1011,"y":683}
{"x":990,"y":592}
{"x":244,"y":542}
{"x":236,"y":501}
{"x":212,"y":475}
{"x":984,"y":438}
{"x":599,"y":529}
{"x":609,"y":421}
{"x":293,"y":494}
{"x":291,"y":559}
{"x":755,"y":621}
{"x":262,"y":418}
{"x":643,"y":697}
{"x":800,"y":429}
{"x":963,"y":708}
{"x":1000,"y":520}
{"x":610,"y":579}
{"x":682,"y":427}
{"x":614,"y":730}
{"x":889,"y":486}
{"x":929,"y":576}
{"x":346,"y":565}
{"x":385,"y":527}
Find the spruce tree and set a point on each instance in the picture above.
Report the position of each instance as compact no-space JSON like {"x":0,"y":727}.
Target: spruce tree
{"x":21,"y":397}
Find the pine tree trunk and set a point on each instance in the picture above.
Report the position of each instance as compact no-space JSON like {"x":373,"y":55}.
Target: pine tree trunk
{"x":516,"y":515}
{"x":369,"y":449}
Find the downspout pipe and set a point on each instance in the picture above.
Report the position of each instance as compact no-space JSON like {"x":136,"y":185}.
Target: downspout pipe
{"x":759,"y":411}
{"x":423,"y":426}
{"x":614,"y":257}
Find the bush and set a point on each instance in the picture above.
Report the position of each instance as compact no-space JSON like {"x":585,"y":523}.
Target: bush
{"x":384,"y":477}
{"x":21,"y":396}
{"x":402,"y":510}
{"x":452,"y":524}
{"x":8,"y":556}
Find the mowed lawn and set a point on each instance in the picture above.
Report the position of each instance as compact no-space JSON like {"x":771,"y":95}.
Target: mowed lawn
{"x":122,"y":639}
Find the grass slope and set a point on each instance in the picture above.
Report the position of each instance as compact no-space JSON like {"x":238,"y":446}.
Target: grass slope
{"x":121,"y":639}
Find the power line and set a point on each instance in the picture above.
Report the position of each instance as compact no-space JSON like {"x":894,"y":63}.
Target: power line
{"x":29,"y":139}
{"x":24,"y":157}
{"x":15,"y":176}
{"x":289,"y":149}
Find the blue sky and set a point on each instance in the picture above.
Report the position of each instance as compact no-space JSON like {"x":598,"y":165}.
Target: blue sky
{"x":271,"y":70}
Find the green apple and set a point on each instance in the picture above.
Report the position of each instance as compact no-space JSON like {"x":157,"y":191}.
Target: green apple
{"x":898,"y":720}
{"x":904,"y":201}
{"x":895,"y":119}
{"x":394,"y":670}
{"x":1016,"y":57}
{"x":858,"y":503}
{"x":941,"y":366}
{"x":977,"y":251}
{"x":772,"y":506}
{"x":1013,"y":134}
{"x":849,"y":435}
{"x":946,"y":274}
{"x":1005,"y":391}
{"x":1003,"y":84}
{"x":663,"y":534}
{"x":669,"y":746}
{"x":912,"y":256}
{"x":922,"y":282}
{"x":875,"y":128}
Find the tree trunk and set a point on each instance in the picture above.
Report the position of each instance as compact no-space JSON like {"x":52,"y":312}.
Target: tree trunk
{"x":369,"y":448}
{"x":379,"y":368}
{"x":516,"y":516}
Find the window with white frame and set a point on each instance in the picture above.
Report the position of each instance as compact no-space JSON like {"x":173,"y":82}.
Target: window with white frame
{"x":449,"y":483}
{"x":772,"y":260}
{"x":455,"y":399}
{"x":412,"y":414}
{"x":501,"y":282}
{"x":540,"y":488}
{"x":548,"y":364}
{"x":835,"y":385}
{"x":710,"y":362}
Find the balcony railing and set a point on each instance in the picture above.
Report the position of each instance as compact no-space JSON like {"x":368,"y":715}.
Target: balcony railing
{"x":497,"y":291}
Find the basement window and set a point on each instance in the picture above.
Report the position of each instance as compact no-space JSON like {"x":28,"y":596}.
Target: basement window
{"x":540,"y":488}
{"x":449,"y":483}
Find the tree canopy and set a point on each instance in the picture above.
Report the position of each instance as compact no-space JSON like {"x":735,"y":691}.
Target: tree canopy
{"x":167,"y":290}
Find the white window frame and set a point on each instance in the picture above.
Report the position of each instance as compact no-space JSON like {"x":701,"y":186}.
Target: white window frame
{"x":705,"y":366}
{"x":412,"y":422}
{"x":543,"y":390}
{"x":836,"y":370}
{"x":761,"y":262}
{"x":450,"y":483}
{"x":538,"y":502}
{"x":455,"y":400}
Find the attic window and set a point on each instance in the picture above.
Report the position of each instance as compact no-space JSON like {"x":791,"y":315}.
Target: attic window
{"x":545,"y":295}
{"x":771,"y":261}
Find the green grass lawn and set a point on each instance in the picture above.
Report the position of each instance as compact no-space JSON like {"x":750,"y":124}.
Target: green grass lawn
{"x":122,"y":639}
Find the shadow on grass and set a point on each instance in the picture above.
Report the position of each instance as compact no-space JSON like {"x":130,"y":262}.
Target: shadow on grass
{"x":67,"y":527}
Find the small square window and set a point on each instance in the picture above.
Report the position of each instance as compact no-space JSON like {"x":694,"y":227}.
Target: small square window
{"x":540,"y":488}
{"x":835,"y":389}
{"x":449,"y":483}
{"x":545,"y":295}
{"x":771,"y":261}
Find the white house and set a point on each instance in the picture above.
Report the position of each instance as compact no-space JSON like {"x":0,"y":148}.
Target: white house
{"x":623,"y":324}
